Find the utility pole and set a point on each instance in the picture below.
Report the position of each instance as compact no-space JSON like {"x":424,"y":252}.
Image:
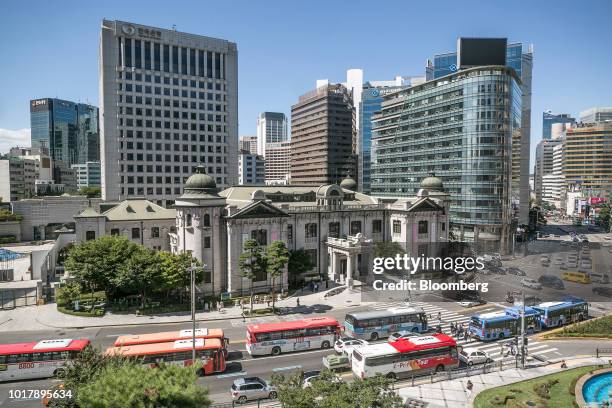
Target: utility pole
{"x":192,"y":270}
{"x":523,"y":330}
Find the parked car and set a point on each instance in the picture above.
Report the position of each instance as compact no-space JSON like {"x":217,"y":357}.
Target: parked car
{"x":599,"y":277}
{"x":345,"y":343}
{"x":471,"y":357}
{"x":337,"y":362}
{"x":402,"y":335}
{"x":531,"y":283}
{"x":513,"y":270}
{"x":551,"y":281}
{"x":602,"y":291}
{"x":252,"y":388}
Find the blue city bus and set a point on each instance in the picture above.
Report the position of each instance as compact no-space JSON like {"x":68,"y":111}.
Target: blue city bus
{"x":557,"y":314}
{"x":492,"y":326}
{"x":532,"y":318}
{"x":381,"y":323}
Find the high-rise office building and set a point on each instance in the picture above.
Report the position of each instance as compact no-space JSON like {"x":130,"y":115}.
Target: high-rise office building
{"x":250,"y":168}
{"x":68,"y":130}
{"x":271,"y":128}
{"x":521,"y":60}
{"x":549,"y":119}
{"x":543,"y":164}
{"x":169,"y":102}
{"x":278,"y":163}
{"x":461,"y":129}
{"x":594,"y":115}
{"x":587,"y":154}
{"x":87,"y":174}
{"x":323,"y":136}
{"x":248,"y":143}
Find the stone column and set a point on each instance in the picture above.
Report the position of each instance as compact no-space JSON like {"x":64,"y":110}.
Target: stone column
{"x":349,"y":270}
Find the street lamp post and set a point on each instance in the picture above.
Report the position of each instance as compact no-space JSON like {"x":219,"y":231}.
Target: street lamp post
{"x":523,"y":330}
{"x":192,"y":270}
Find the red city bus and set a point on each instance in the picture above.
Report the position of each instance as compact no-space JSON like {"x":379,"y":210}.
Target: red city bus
{"x":296,"y":335}
{"x":165,"y":337}
{"x":405,"y":357}
{"x":38,"y":359}
{"x":210,"y":351}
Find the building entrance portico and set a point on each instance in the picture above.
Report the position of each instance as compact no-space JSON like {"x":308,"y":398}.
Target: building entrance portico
{"x":349,"y":258}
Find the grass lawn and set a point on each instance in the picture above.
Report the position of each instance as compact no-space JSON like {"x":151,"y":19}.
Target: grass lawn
{"x":600,"y":327}
{"x":553,"y":391}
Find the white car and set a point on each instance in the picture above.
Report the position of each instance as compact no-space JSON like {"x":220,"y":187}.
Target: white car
{"x":347,"y":343}
{"x":402,"y":335}
{"x":531,"y":283}
{"x":471,"y":357}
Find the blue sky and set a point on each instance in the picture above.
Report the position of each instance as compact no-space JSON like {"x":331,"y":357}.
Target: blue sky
{"x":49,"y":48}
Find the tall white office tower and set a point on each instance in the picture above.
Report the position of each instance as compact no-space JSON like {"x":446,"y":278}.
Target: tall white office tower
{"x":271,"y":128}
{"x":168,"y":102}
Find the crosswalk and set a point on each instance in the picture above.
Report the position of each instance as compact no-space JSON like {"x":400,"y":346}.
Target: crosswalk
{"x":495,"y":348}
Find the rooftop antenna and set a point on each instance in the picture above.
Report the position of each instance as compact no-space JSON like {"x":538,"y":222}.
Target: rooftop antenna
{"x":173,"y":27}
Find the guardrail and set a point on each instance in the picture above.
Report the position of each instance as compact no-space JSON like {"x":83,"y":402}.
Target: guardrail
{"x":600,"y":352}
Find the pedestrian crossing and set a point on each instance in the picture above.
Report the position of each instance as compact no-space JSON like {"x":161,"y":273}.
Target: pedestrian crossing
{"x":495,"y":349}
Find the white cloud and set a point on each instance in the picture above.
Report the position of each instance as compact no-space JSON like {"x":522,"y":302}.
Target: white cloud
{"x":11,"y":138}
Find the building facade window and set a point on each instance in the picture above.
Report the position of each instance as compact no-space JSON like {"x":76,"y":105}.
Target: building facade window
{"x":135,"y":233}
{"x":155,"y":232}
{"x":189,"y":220}
{"x":290,"y":233}
{"x":310,"y":230}
{"x":206,"y":242}
{"x":90,"y":235}
{"x":423,"y":227}
{"x":355,"y":227}
{"x":334,"y":230}
{"x":261,"y":236}
{"x":115,"y":231}
{"x":376,"y":226}
{"x":397,"y":227}
{"x":206,"y":220}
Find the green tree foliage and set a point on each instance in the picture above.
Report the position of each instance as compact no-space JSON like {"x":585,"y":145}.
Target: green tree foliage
{"x":388,"y":249}
{"x":299,"y":264}
{"x":329,"y":392}
{"x":252,"y":264}
{"x":96,"y":263}
{"x":6,"y":215}
{"x":604,"y":216}
{"x":98,"y":380}
{"x":90,"y":192}
{"x":67,"y":293}
{"x":277,"y":257}
{"x":140,"y":273}
{"x":174,"y":271}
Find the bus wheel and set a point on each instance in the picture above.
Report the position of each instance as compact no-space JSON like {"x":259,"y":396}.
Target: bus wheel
{"x":560,"y":323}
{"x":325,"y":344}
{"x":276,"y":351}
{"x":580,"y":317}
{"x":273,"y":395}
{"x":374,"y":336}
{"x":439,"y":368}
{"x":500,"y":336}
{"x":415,"y":330}
{"x":392,"y":376}
{"x":242,"y":400}
{"x":59,"y":373}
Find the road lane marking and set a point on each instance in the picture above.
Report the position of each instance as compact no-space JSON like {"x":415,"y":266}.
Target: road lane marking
{"x":245,"y":360}
{"x":294,"y":367}
{"x":240,"y":373}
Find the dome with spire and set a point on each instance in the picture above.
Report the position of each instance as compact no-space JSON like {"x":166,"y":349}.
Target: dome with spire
{"x":349,"y":184}
{"x":432,"y":183}
{"x":200,"y":180}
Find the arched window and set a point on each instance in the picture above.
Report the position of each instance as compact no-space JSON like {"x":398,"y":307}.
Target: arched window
{"x":206,"y":220}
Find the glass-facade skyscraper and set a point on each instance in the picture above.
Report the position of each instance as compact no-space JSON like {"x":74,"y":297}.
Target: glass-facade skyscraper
{"x":461,"y":128}
{"x":549,"y":119}
{"x":69,"y":130}
{"x":521,"y":60}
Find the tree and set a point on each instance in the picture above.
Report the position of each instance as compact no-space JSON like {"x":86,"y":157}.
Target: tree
{"x":604,"y":216}
{"x":90,"y":192}
{"x":277,"y":258}
{"x":99,"y":380}
{"x":67,"y":293}
{"x":329,"y":392}
{"x":251,"y":264}
{"x":140,"y":273}
{"x":299,"y":263}
{"x":94,"y":264}
{"x":174,"y":271}
{"x":388,"y":249}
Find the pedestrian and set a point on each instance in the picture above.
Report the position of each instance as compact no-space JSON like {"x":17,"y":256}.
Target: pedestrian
{"x":563,"y":365}
{"x":297,"y":301}
{"x":465,"y":335}
{"x":316,"y":287}
{"x":452,"y":328}
{"x":439,"y":316}
{"x":469,"y":385}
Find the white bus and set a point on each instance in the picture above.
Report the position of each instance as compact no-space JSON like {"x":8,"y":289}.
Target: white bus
{"x":405,"y":357}
{"x":45,"y":358}
{"x":297,"y":335}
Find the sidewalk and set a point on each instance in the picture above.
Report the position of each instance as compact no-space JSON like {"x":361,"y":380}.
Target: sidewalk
{"x":48,"y":317}
{"x":454,"y":394}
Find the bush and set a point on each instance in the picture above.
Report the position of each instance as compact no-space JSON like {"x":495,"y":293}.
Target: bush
{"x":8,"y":239}
{"x":65,"y":295}
{"x":542,"y":389}
{"x":95,"y":313}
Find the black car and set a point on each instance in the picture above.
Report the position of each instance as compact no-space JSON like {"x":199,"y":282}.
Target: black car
{"x":532,"y":300}
{"x":513,"y":270}
{"x":497,"y":270}
{"x":551,"y":281}
{"x":602,"y":291}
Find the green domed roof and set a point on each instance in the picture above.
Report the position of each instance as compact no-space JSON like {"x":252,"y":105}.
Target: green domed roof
{"x":432,"y":183}
{"x":200,"y":180}
{"x":349,"y":184}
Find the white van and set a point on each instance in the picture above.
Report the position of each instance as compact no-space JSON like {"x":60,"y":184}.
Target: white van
{"x":599,"y":277}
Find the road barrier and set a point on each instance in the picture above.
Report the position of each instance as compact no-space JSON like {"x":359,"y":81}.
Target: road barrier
{"x":603,"y":352}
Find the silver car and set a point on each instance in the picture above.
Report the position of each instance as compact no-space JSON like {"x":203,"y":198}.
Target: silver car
{"x":252,"y":388}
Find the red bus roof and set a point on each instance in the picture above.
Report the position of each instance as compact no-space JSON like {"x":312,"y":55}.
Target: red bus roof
{"x":164,"y":337}
{"x":423,"y":343}
{"x":293,"y":324}
{"x":164,"y":348}
{"x":44,"y":346}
